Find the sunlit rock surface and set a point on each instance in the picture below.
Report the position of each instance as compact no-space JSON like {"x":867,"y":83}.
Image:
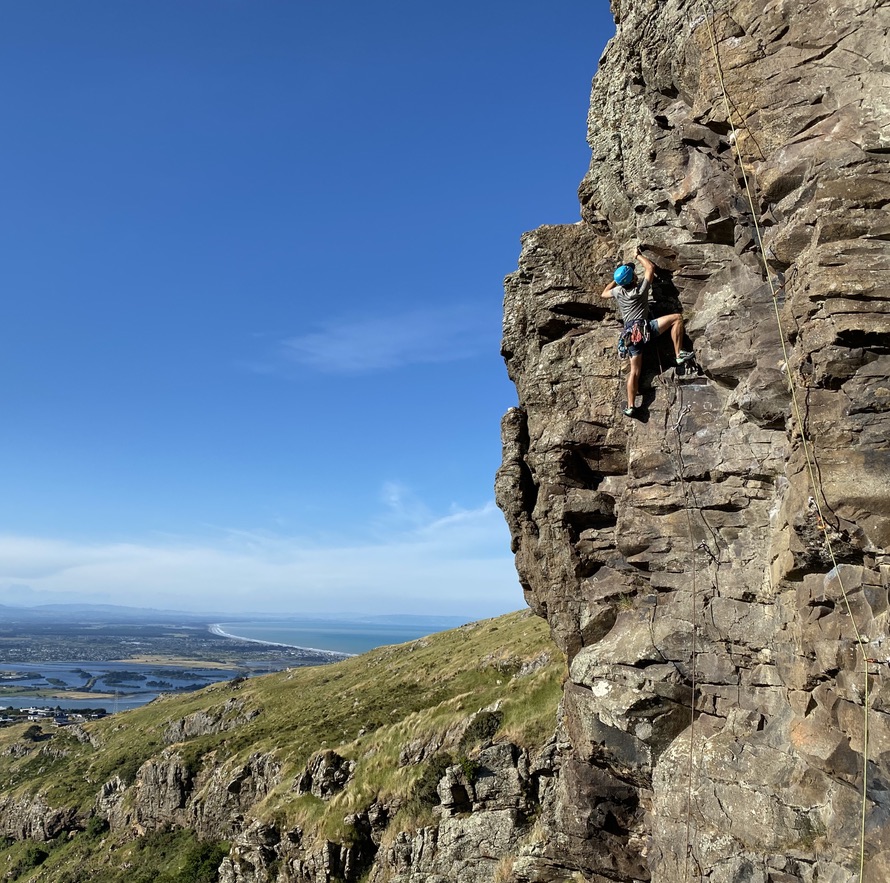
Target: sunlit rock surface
{"x":681,"y":559}
{"x":712,"y":724}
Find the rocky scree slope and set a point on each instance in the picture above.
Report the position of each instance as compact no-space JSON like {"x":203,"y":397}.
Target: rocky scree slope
{"x":713,"y":722}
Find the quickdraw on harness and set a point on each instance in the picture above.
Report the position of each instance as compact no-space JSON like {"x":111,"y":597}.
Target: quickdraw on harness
{"x":635,"y":333}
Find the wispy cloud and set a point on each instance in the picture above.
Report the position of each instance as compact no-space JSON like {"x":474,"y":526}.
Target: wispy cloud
{"x":403,"y":507}
{"x":381,"y":343}
{"x":458,"y":564}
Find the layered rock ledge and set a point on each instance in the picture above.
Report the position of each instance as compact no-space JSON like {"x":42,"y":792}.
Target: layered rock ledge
{"x":714,"y":718}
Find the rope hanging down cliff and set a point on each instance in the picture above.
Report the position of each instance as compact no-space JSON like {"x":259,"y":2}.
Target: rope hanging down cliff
{"x":818,"y":493}
{"x":689,"y":503}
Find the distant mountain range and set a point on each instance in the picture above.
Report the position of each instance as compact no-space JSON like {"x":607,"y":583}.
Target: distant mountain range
{"x":97,"y":613}
{"x":121,"y":613}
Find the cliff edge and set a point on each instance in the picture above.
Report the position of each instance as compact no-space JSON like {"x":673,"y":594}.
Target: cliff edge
{"x":717,"y":571}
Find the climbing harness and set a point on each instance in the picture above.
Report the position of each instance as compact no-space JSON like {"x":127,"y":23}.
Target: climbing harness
{"x":776,"y":288}
{"x":634,"y":333}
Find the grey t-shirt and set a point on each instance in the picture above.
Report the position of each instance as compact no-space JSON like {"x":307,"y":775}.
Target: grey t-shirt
{"x":633,"y":302}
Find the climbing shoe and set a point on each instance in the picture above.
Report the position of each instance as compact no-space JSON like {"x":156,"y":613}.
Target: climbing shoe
{"x":684,"y":356}
{"x":629,"y":412}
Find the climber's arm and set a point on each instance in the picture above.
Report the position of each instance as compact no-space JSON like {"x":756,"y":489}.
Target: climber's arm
{"x":648,"y":267}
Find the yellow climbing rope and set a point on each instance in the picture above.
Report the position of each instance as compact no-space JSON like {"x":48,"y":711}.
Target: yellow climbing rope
{"x":808,"y":455}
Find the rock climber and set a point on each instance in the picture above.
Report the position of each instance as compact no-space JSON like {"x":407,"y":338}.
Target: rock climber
{"x":632,"y":295}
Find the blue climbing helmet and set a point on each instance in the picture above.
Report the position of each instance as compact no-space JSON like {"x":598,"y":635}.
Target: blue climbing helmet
{"x":624,"y":274}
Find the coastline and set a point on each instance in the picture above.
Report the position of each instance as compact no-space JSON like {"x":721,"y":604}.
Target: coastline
{"x":217,"y":629}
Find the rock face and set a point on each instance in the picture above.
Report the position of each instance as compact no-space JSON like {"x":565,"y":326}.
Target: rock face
{"x":719,"y":597}
{"x":29,"y":819}
{"x":325,"y":775}
{"x":716,"y":571}
{"x":201,"y":723}
{"x":482,"y":823}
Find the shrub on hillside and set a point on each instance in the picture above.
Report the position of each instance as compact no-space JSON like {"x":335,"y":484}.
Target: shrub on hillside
{"x":424,"y":792}
{"x":35,"y":854}
{"x":194,"y":861}
{"x":96,"y":827}
{"x":481,"y":730}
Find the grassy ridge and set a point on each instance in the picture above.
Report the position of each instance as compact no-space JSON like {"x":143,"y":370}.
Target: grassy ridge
{"x":368,"y":709}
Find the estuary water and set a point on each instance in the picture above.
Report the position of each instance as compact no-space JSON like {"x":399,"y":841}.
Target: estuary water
{"x":124,"y":685}
{"x":118,"y":685}
{"x":339,"y":636}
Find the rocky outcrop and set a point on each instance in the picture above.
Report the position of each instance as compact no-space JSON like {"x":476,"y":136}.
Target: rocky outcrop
{"x":445,"y":788}
{"x":720,"y":587}
{"x":34,"y":819}
{"x":714,"y":718}
{"x":325,"y":775}
{"x":485,"y":818}
{"x":488,"y":802}
{"x":487,"y":809}
{"x":206,"y":722}
{"x":216,"y":801}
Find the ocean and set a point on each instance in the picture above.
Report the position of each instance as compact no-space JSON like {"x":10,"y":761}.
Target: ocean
{"x":340,"y":636}
{"x":124,"y":685}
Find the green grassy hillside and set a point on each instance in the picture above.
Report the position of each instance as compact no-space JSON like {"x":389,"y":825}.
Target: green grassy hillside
{"x":368,"y":709}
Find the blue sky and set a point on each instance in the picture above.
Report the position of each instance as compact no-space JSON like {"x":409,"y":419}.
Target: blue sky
{"x":252,"y":276}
